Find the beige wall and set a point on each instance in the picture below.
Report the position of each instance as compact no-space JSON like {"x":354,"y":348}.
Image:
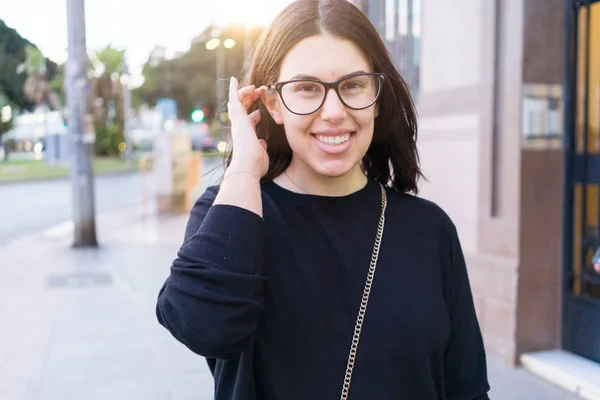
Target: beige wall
{"x":466,"y":101}
{"x":457,"y":107}
{"x":449,"y":110}
{"x":451,"y":50}
{"x":448,"y":146}
{"x":497,"y":260}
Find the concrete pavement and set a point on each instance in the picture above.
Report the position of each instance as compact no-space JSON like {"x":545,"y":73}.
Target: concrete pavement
{"x":33,"y":205}
{"x":80,"y":324}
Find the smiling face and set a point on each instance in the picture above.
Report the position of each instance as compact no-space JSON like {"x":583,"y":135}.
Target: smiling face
{"x":331,"y":141}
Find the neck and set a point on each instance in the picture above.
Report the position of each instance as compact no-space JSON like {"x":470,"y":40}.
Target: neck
{"x":301,"y":179}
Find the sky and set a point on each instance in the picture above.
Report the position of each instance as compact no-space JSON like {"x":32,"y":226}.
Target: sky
{"x":136,"y":25}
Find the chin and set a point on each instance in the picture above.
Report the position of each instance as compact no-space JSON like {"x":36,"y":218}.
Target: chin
{"x":334,"y":169}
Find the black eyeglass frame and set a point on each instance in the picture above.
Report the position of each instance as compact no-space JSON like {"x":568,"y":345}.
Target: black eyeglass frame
{"x":328,"y":86}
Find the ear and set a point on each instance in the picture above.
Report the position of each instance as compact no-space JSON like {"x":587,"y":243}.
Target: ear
{"x":269,"y":99}
{"x":376,"y":110}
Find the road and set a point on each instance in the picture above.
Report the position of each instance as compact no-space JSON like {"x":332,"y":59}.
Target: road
{"x":30,"y":206}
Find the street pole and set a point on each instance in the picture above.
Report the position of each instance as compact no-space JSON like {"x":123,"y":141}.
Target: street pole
{"x":220,"y":87}
{"x":80,"y":128}
{"x":126,"y":114}
{"x":247,"y":47}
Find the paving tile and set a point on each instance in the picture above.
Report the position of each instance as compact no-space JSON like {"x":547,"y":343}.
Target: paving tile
{"x":131,"y":390}
{"x":192,"y":387}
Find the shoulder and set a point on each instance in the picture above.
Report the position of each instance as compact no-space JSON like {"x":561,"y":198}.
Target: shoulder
{"x":420,"y":214}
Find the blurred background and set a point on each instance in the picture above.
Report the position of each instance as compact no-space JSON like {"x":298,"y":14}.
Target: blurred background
{"x":110,"y":128}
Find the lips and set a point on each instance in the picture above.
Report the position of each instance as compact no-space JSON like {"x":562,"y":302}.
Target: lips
{"x":333,"y":143}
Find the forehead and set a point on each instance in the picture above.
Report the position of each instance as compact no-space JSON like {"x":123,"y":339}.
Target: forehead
{"x":325,"y":57}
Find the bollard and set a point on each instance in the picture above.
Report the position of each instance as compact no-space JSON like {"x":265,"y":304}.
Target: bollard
{"x":145,"y":161}
{"x":193,"y":179}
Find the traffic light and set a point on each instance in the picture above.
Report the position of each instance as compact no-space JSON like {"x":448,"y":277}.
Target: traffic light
{"x":197,"y":115}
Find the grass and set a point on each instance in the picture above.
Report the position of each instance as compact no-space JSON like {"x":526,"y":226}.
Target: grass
{"x":16,"y":170}
{"x":23,"y":170}
{"x":211,"y":154}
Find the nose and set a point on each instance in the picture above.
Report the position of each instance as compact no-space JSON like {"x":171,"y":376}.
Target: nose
{"x":333,"y":110}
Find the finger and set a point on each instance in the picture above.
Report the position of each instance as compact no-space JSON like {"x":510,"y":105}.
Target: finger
{"x":233,"y":88}
{"x":263,"y":143}
{"x":254,"y":117}
{"x":247,"y":101}
{"x":246,"y":90}
{"x":256,"y":94}
{"x":263,"y":92}
{"x":234,"y":98}
{"x":250,"y":98}
{"x":245,"y":95}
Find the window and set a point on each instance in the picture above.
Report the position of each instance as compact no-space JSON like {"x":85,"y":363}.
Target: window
{"x":399,"y":25}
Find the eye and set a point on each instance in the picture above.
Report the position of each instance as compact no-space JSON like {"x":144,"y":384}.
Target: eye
{"x":354,"y":84}
{"x":306,"y":87}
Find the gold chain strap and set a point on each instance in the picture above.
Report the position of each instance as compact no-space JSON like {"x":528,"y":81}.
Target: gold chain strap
{"x":365,"y":298}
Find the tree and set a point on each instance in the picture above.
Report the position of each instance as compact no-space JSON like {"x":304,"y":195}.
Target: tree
{"x":5,"y":123}
{"x":12,"y":54}
{"x":107,"y":102}
{"x":36,"y":88}
{"x":58,"y":84}
{"x":191,"y":78}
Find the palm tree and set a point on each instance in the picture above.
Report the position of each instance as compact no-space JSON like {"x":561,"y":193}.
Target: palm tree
{"x":5,"y":124}
{"x":107,"y":65}
{"x":108,"y":68}
{"x":37,"y":89}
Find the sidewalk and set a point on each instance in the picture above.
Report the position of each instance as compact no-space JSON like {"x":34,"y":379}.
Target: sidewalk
{"x":80,"y":324}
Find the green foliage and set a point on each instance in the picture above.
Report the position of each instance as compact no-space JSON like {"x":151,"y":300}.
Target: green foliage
{"x":109,"y":60}
{"x":4,"y":126}
{"x":11,"y":144}
{"x":58,"y":85}
{"x":13,"y":54}
{"x":34,"y":62}
{"x":191,"y":78}
{"x":108,"y":138}
{"x":108,"y":100}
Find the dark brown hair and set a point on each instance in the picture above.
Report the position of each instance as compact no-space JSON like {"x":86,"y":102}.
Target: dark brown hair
{"x":392,"y":157}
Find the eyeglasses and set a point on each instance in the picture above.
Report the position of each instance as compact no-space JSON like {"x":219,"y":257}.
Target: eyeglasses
{"x":306,"y":96}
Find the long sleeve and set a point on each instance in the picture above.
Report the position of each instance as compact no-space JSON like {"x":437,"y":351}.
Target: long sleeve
{"x":465,"y":367}
{"x":212,"y":299}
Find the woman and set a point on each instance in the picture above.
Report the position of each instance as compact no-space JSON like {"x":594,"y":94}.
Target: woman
{"x":311,"y":273}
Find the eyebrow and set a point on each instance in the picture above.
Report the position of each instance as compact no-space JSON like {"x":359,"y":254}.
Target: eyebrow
{"x":310,"y":77}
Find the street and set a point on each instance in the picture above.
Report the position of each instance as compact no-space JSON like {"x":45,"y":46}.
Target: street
{"x":32,"y":206}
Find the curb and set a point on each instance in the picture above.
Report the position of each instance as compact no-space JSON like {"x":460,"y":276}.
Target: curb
{"x":67,"y":177}
{"x":106,"y":222}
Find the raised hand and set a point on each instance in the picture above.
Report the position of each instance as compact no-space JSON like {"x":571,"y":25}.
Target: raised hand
{"x":249,"y":153}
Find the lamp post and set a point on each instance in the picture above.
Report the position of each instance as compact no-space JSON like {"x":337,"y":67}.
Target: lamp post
{"x":215,"y":44}
{"x":80,"y":127}
{"x":125,"y":85}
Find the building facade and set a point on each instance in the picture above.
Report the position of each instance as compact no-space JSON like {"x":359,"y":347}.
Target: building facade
{"x":508,"y":96}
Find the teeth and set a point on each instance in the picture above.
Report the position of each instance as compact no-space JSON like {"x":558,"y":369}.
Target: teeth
{"x":333,"y":140}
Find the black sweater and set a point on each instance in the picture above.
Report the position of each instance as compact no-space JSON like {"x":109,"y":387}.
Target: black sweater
{"x":272,"y":302}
